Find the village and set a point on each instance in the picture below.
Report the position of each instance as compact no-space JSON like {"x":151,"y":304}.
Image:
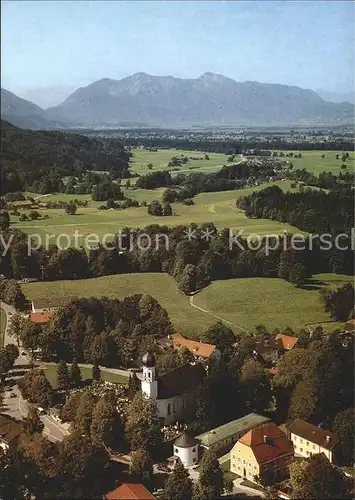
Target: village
{"x":253,"y":452}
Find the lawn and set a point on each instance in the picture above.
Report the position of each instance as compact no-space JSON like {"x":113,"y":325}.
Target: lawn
{"x":313,"y":161}
{"x":218,"y":208}
{"x":244,"y":302}
{"x":86,"y":373}
{"x":2,"y":326}
{"x":270,"y":301}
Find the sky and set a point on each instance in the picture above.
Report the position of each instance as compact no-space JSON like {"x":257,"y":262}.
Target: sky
{"x":73,"y":43}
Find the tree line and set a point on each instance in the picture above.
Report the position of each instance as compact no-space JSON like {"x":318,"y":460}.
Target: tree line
{"x":193,"y":264}
{"x":311,"y":210}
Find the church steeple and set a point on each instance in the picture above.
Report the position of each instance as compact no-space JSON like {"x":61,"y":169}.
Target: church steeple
{"x":149,"y":382}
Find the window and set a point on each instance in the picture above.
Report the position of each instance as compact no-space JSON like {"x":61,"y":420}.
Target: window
{"x":294,"y":438}
{"x":176,"y":450}
{"x":194,"y":459}
{"x":301,"y":449}
{"x":244,"y":462}
{"x":314,"y":446}
{"x":301,"y":440}
{"x":307,"y":443}
{"x":193,"y":450}
{"x":169,"y":409}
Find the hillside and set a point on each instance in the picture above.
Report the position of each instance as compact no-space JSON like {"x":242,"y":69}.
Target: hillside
{"x":211,"y":99}
{"x":25,"y":114}
{"x":28,"y":156}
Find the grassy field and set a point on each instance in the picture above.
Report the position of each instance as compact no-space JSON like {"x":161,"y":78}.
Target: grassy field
{"x":2,"y":326}
{"x":86,"y":373}
{"x":270,"y":301}
{"x":218,"y":208}
{"x":160,"y":159}
{"x":313,"y":162}
{"x":243,"y":302}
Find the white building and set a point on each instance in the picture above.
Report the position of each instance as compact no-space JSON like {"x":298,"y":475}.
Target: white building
{"x":186,"y":448}
{"x":309,"y":439}
{"x":174,"y":391}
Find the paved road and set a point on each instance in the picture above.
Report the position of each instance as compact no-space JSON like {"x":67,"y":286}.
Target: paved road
{"x":13,"y":403}
{"x":17,"y":407}
{"x":23,"y":359}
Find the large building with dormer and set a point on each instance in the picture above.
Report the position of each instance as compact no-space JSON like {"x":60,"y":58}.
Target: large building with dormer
{"x":175,"y":391}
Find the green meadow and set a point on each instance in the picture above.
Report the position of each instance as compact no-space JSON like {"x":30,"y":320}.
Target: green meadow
{"x":242,"y":303}
{"x":219,"y":208}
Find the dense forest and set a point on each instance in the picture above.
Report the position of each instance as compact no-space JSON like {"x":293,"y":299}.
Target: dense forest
{"x":46,"y":157}
{"x":311,"y":210}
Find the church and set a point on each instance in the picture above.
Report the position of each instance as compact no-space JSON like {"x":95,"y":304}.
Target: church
{"x":174,"y":391}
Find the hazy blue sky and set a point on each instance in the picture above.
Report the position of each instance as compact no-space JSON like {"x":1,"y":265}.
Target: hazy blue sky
{"x":47,"y":43}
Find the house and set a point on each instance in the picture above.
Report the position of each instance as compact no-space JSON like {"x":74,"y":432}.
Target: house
{"x":350,"y":326}
{"x":286,"y":342}
{"x":10,"y":430}
{"x":174,"y":391}
{"x":130,"y":491}
{"x":262,"y":454}
{"x":268,"y":350}
{"x":201,"y":350}
{"x":46,"y":304}
{"x":309,"y":439}
{"x":271,"y":349}
{"x":222,"y":438}
{"x":41,"y":318}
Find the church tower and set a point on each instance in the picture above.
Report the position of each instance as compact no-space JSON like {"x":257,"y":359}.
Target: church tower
{"x":149,"y":381}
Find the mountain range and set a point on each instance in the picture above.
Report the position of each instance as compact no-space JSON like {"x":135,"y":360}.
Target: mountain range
{"x":165,"y":101}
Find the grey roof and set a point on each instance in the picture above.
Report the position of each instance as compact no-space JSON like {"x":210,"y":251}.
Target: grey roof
{"x":148,"y":359}
{"x":235,"y":427}
{"x":48,"y":302}
{"x":185,"y":440}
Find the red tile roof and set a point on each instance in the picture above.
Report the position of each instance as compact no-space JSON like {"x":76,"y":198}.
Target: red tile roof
{"x":130,"y":491}
{"x":41,"y":317}
{"x":350,"y":325}
{"x":286,"y":341}
{"x":267,"y":442}
{"x":197,"y":348}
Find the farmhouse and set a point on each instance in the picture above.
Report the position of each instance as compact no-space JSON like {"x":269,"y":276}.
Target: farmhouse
{"x":45,"y":304}
{"x":174,"y":391}
{"x":10,"y":430}
{"x":350,"y":326}
{"x":309,"y":439}
{"x":41,"y":318}
{"x":262,"y":454}
{"x":130,"y":491}
{"x":267,"y":350}
{"x":221,"y":439}
{"x":286,"y":342}
{"x":270,"y":350}
{"x":201,"y":350}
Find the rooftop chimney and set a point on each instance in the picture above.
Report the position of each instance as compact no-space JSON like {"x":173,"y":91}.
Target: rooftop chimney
{"x":265,"y":438}
{"x":328,"y":438}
